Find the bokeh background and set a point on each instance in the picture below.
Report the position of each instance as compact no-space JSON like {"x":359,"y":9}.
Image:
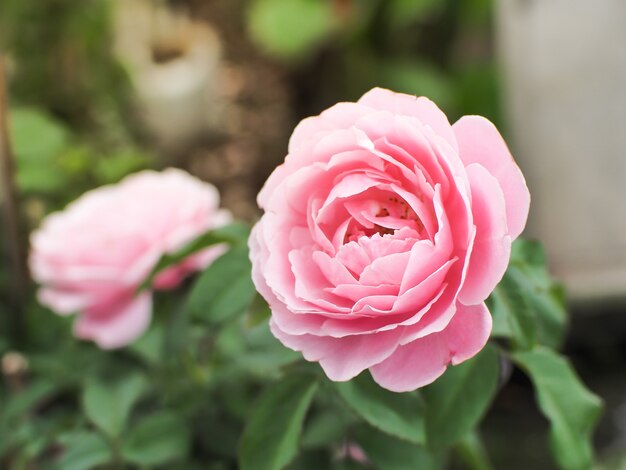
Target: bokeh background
{"x":97,"y":89}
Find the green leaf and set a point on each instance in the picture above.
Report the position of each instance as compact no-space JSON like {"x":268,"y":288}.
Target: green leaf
{"x":471,"y":450}
{"x":270,"y":439}
{"x":290,"y":29}
{"x":404,"y":12}
{"x":84,"y":450}
{"x":150,"y":346}
{"x":234,"y":234}
{"x":572,"y":409}
{"x":36,"y":137}
{"x":156,"y":440}
{"x":38,"y":141}
{"x":457,"y":401}
{"x":390,"y":453}
{"x":546,"y":296}
{"x":513,"y":315}
{"x":107,"y":405}
{"x":26,"y":401}
{"x":418,"y":79}
{"x":225,"y":288}
{"x":324,"y":429}
{"x":112,"y":168}
{"x":398,"y":414}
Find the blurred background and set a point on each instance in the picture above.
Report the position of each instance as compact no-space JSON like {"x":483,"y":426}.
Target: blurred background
{"x":97,"y":89}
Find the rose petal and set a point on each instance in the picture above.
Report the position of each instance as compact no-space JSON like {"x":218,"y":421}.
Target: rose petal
{"x":124,"y":322}
{"x":422,"y":108}
{"x":420,"y":362}
{"x":480,"y":142}
{"x":492,"y":246}
{"x":341,"y":358}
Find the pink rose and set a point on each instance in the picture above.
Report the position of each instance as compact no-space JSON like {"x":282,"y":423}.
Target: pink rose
{"x":92,"y":257}
{"x":384,"y":232}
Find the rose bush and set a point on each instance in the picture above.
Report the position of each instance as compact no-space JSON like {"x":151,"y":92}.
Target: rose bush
{"x":92,"y":257}
{"x":384,"y":231}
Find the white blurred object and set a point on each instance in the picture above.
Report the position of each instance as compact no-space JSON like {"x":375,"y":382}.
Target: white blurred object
{"x":173,"y":64}
{"x":565,"y":88}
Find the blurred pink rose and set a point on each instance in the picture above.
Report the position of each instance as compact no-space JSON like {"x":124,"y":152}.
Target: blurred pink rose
{"x":91,"y":257}
{"x":384,"y":232}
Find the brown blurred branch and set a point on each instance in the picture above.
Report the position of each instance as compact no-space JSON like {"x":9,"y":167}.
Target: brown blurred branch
{"x":9,"y":200}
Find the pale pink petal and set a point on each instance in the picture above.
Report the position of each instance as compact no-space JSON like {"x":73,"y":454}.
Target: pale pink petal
{"x":414,"y":365}
{"x":339,"y":116}
{"x":468,"y":332}
{"x":480,"y":142}
{"x":124,"y":322}
{"x":386,"y":270}
{"x":420,"y":362}
{"x":64,"y":302}
{"x":422,"y":108}
{"x":341,"y":358}
{"x":492,"y":245}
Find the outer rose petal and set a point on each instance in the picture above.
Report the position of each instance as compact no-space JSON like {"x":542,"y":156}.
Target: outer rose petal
{"x":419,"y":363}
{"x":480,"y":142}
{"x":121,"y":326}
{"x":492,"y":246}
{"x":342,"y":358}
{"x":339,"y":116}
{"x":420,"y":107}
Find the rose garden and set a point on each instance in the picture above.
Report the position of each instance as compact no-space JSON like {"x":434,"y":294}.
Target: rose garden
{"x":202,"y":279}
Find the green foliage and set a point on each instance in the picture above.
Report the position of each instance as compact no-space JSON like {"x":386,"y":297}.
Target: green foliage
{"x":513,"y":316}
{"x":108,"y":404}
{"x":38,"y":142}
{"x":271,"y":437}
{"x":234,"y":234}
{"x":225,"y":289}
{"x":54,"y":166}
{"x":157,"y":439}
{"x":572,"y":409}
{"x":528,"y":306}
{"x":84,"y":450}
{"x":401,"y":415}
{"x":404,"y":12}
{"x":292,"y":29}
{"x":459,"y":399}
{"x":390,"y":453}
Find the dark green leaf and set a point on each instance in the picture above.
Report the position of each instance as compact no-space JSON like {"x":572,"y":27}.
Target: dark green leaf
{"x":513,"y":316}
{"x":528,"y":306}
{"x":225,"y":288}
{"x":390,"y":453}
{"x":324,"y":429}
{"x":233,"y":234}
{"x":399,"y":414}
{"x":150,"y":346}
{"x":26,"y":401}
{"x":572,"y":409}
{"x":403,"y":12}
{"x":84,"y":450}
{"x":472,"y":451}
{"x":457,"y":401}
{"x":290,"y":29}
{"x":545,"y":296}
{"x":158,"y":439}
{"x":270,"y":440}
{"x":108,"y":405}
